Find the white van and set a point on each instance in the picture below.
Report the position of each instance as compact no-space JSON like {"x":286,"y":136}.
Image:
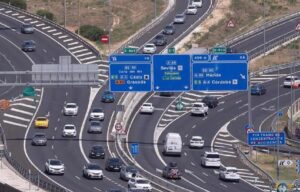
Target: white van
{"x":197,"y":3}
{"x":172,"y":144}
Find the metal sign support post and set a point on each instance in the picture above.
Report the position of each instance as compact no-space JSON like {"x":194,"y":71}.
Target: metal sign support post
{"x":249,"y":108}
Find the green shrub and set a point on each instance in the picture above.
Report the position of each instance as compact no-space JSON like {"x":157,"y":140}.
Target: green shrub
{"x":17,"y":3}
{"x":91,"y":32}
{"x":46,"y":14}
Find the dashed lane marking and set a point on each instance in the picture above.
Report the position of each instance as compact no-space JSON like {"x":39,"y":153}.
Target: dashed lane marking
{"x":77,"y":177}
{"x":97,"y":189}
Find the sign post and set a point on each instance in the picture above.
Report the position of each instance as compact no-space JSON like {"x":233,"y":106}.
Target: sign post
{"x":298,"y":166}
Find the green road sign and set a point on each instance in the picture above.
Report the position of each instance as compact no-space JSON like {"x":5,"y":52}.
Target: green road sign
{"x":29,"y":91}
{"x":171,"y":50}
{"x":219,"y":50}
{"x":130,"y":50}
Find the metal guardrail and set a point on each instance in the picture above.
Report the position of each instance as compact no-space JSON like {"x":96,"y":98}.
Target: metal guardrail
{"x":77,"y":37}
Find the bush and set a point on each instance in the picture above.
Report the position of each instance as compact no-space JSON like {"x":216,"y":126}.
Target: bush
{"x":46,"y":14}
{"x":91,"y":32}
{"x":17,"y":3}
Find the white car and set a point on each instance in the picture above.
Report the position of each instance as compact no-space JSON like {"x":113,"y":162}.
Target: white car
{"x":197,"y":3}
{"x":191,"y":10}
{"x":211,"y":159}
{"x":229,"y":174}
{"x":199,"y":108}
{"x":97,"y":114}
{"x":179,"y":19}
{"x":70,"y":109}
{"x":69,"y":130}
{"x":139,"y":183}
{"x":54,"y":166}
{"x":149,"y":48}
{"x":92,"y":171}
{"x":290,"y":80}
{"x":147,"y":108}
{"x":196,"y":142}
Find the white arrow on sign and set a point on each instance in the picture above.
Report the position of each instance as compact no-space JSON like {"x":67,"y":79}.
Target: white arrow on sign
{"x":285,"y":163}
{"x":157,"y":87}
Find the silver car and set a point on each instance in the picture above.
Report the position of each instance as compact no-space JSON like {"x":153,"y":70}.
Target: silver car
{"x":39,"y":139}
{"x":127,"y":172}
{"x":92,"y":171}
{"x":95,"y":127}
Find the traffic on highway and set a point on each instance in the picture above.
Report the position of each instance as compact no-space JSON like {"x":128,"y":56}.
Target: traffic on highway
{"x":155,"y":120}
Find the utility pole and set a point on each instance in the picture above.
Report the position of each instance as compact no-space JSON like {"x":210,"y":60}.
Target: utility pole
{"x":65,"y":13}
{"x":109,"y":25}
{"x":78,"y":31}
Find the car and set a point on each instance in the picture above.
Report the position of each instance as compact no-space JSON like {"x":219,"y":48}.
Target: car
{"x":196,"y":142}
{"x":197,"y":3}
{"x":210,"y":101}
{"x":210,"y":159}
{"x":39,"y":139}
{"x":28,"y":46}
{"x":229,"y":174}
{"x":70,"y":109}
{"x":108,"y":97}
{"x":171,"y":171}
{"x":231,"y":50}
{"x":169,"y":30}
{"x":95,"y":127}
{"x":160,"y":40}
{"x":166,"y":94}
{"x":147,"y":108}
{"x":258,"y":89}
{"x":291,"y":80}
{"x":97,"y":151}
{"x":97,"y":114}
{"x":54,"y":166}
{"x":27,"y":28}
{"x":92,"y":171}
{"x":41,"y":122}
{"x":113,"y":164}
{"x":191,"y":10}
{"x":139,"y":183}
{"x":69,"y":130}
{"x":199,"y":108}
{"x":179,"y":19}
{"x":149,"y":48}
{"x":128,"y":172}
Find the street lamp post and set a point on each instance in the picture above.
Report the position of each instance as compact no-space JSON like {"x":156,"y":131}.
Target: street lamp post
{"x":65,"y":13}
{"x":78,"y":31}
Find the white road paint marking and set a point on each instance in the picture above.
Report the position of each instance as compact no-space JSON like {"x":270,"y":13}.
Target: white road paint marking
{"x":58,"y":33}
{"x":47,"y":27}
{"x":221,"y":143}
{"x":53,"y":137}
{"x":76,"y":47}
{"x":220,"y":109}
{"x":23,"y":105}
{"x":192,"y":174}
{"x":185,"y":154}
{"x":158,"y":170}
{"x":169,"y":115}
{"x":33,"y":22}
{"x":41,"y":24}
{"x":74,"y":43}
{"x":22,"y":16}
{"x":223,"y":185}
{"x":28,"y":19}
{"x":8,"y":11}
{"x":52,"y":147}
{"x":237,"y":102}
{"x":77,"y":177}
{"x":67,"y":40}
{"x":228,"y":141}
{"x":205,"y":174}
{"x":55,"y":128}
{"x":13,"y":123}
{"x":45,"y":51}
{"x":193,"y":164}
{"x":224,"y":151}
{"x":80,"y":50}
{"x":159,"y":109}
{"x":194,"y":126}
{"x":58,"y":120}
{"x":97,"y":189}
{"x":62,"y":37}
{"x":204,"y":118}
{"x":21,"y":111}
{"x":87,"y":58}
{"x":16,"y":117}
{"x":51,"y":30}
{"x":14,"y":14}
{"x":84,"y":54}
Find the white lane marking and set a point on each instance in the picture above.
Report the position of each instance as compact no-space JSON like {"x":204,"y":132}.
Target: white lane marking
{"x":222,"y":146}
{"x":237,"y":102}
{"x":84,"y":54}
{"x":262,"y":186}
{"x":224,"y":135}
{"x":87,"y":58}
{"x":168,"y":120}
{"x":58,"y":33}
{"x":245,"y":173}
{"x":220,"y":109}
{"x":228,"y":141}
{"x":158,"y":170}
{"x":21,"y":111}
{"x":173,"y":111}
{"x":62,"y":37}
{"x":185,"y":154}
{"x":224,"y":151}
{"x":22,"y":16}
{"x":188,"y":99}
{"x":74,"y":43}
{"x":79,"y":51}
{"x":205,"y":174}
{"x":51,"y":30}
{"x":14,"y":14}
{"x":23,"y":105}
{"x":194,"y":95}
{"x":223,"y":185}
{"x":204,"y":118}
{"x":52,"y":147}
{"x":97,"y":189}
{"x":76,"y":47}
{"x":77,"y":177}
{"x":47,"y":27}
{"x":193,"y":164}
{"x":24,"y":98}
{"x":96,"y":61}
{"x":67,"y":40}
{"x":41,"y":24}
{"x":242,"y":169}
{"x":53,"y":137}
{"x":33,"y":22}
{"x":191,"y":173}
{"x":55,"y":128}
{"x":164,"y":97}
{"x":261,"y":78}
{"x":169,"y":115}
{"x":28,"y":19}
{"x":16,"y":117}
{"x":221,"y":143}
{"x":186,"y":135}
{"x":226,"y":155}
{"x":8,"y":11}
{"x":13,"y":123}
{"x":159,"y":109}
{"x":194,"y":126}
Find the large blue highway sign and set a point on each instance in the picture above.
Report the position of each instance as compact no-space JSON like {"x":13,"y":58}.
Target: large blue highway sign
{"x":171,"y":72}
{"x":130,"y":73}
{"x":266,"y":138}
{"x":134,"y":148}
{"x":225,"y":72}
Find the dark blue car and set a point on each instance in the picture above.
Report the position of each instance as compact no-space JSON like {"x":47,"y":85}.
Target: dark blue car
{"x":108,"y":97}
{"x":258,"y":90}
{"x":28,"y":46}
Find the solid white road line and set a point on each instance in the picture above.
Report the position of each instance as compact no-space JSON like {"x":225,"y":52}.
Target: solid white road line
{"x":16,"y":117}
{"x":14,"y":123}
{"x":224,"y":135}
{"x":21,"y":111}
{"x":169,"y":115}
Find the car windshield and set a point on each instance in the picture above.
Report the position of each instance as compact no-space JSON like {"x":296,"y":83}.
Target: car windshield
{"x":159,"y":37}
{"x":97,"y":110}
{"x":232,"y":171}
{"x":196,"y":139}
{"x":147,"y":105}
{"x":39,"y":135}
{"x":197,"y":1}
{"x":107,"y":93}
{"x":179,"y":16}
{"x":191,"y":7}
{"x":131,"y":170}
{"x":149,"y":46}
{"x":115,"y":160}
{"x":27,"y":25}
{"x":41,"y":119}
{"x":142,"y":181}
{"x":71,"y":106}
{"x":69,"y":127}
{"x":169,"y":27}
{"x":55,"y":162}
{"x":197,"y":105}
{"x":93,"y":167}
{"x":215,"y":156}
{"x":95,"y":123}
{"x":98,"y":148}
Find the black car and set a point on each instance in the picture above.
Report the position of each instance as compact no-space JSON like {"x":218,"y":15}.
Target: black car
{"x":28,"y":45}
{"x":169,"y":30}
{"x":160,"y":40}
{"x":258,"y":89}
{"x":171,"y":171}
{"x":210,"y":101}
{"x":108,"y":97}
{"x":113,"y":164}
{"x":97,"y":151}
{"x":27,"y":28}
{"x":166,"y":94}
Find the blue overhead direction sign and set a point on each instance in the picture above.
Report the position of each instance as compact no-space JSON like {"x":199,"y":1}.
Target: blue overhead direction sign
{"x":266,"y":138}
{"x":227,"y":72}
{"x":134,"y":148}
{"x":171,"y":73}
{"x":130,"y":73}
